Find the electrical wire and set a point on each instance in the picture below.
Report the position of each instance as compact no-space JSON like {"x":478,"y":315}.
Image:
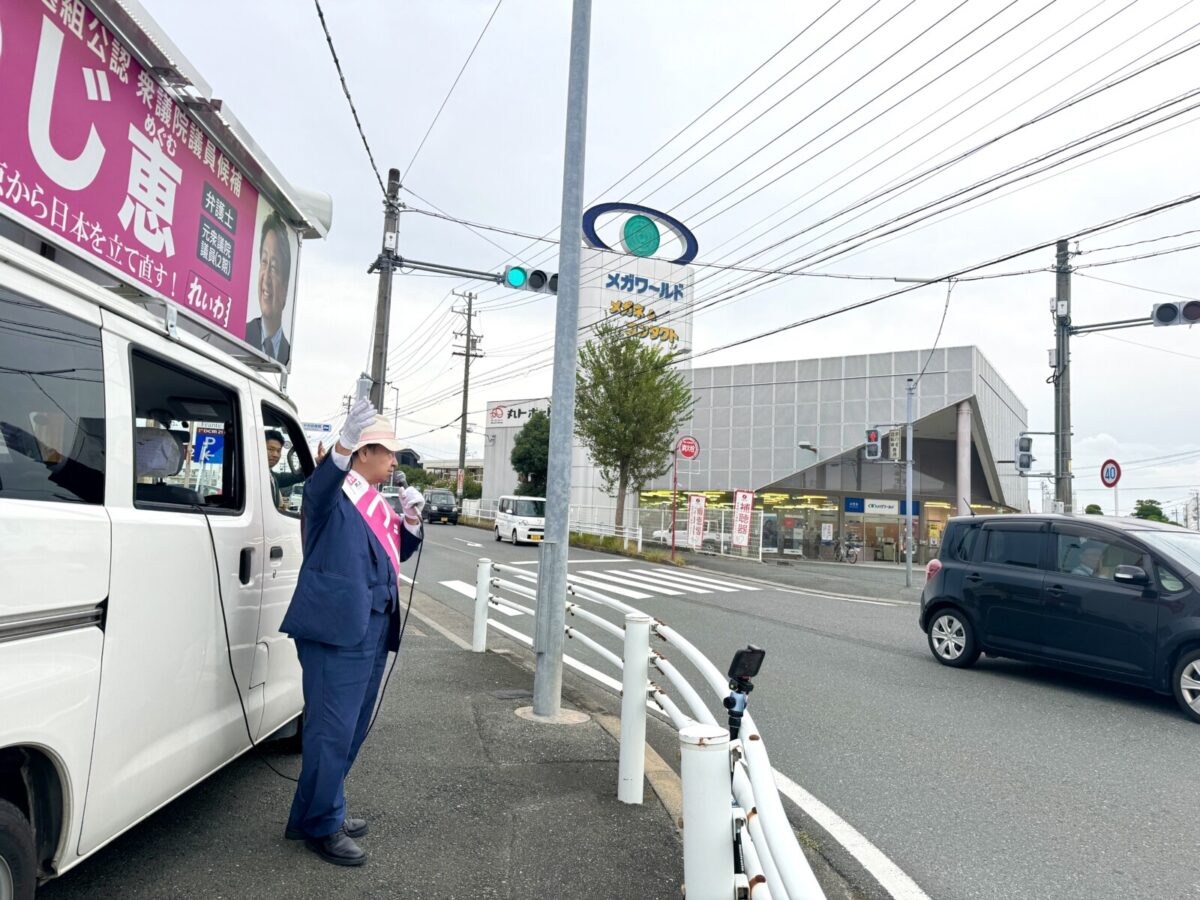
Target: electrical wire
{"x":1137,"y":287}
{"x":346,"y":90}
{"x":450,"y":92}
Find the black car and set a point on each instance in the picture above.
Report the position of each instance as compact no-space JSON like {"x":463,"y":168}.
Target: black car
{"x":440,"y":506}
{"x":1114,"y":598}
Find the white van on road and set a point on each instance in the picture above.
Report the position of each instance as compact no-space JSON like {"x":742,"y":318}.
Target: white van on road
{"x":144,"y":583}
{"x":520,"y":519}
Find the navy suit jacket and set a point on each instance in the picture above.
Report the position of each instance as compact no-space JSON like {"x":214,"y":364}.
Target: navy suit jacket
{"x":254,"y":337}
{"x":346,"y":573}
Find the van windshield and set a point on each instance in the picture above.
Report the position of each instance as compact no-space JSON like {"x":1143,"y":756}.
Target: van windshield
{"x":531,"y":509}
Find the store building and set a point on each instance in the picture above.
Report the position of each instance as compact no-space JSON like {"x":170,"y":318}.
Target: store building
{"x":794,"y":433}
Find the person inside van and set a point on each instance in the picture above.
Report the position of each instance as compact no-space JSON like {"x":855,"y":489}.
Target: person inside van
{"x":1089,"y":561}
{"x":344,"y":618}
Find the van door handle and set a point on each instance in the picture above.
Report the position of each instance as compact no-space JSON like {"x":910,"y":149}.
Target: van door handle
{"x":276,"y":553}
{"x":974,"y":576}
{"x":1055,"y":591}
{"x":244,"y":573}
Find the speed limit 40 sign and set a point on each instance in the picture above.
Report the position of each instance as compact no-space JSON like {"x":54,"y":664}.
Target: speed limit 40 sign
{"x":1110,"y":473}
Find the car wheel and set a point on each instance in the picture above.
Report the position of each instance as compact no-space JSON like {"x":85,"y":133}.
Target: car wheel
{"x":497,"y":533}
{"x":1186,"y":681}
{"x":514,"y":537}
{"x":952,"y":639}
{"x":18,"y":859}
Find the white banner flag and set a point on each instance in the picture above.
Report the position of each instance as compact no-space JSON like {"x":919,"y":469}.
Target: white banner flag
{"x":696,"y":520}
{"x":743,"y":507}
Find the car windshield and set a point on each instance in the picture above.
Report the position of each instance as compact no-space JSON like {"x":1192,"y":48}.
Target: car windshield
{"x":440,"y":497}
{"x":1183,"y":546}
{"x":533,"y":509}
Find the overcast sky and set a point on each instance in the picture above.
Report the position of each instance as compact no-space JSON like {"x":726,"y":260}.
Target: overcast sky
{"x":495,"y":156}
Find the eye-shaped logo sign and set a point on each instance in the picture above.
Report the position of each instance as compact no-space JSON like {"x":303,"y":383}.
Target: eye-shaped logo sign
{"x":640,"y":235}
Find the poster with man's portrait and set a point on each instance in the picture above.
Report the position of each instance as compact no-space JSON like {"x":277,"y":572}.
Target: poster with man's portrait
{"x":271,"y":306}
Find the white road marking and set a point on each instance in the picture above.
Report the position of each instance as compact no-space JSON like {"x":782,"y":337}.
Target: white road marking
{"x":708,"y":580}
{"x":610,"y":588}
{"x":468,"y":591}
{"x":893,"y":879}
{"x":686,"y":581}
{"x":468,"y":543}
{"x":406,"y":579}
{"x":444,"y":632}
{"x":657,"y":584}
{"x":623,"y":579}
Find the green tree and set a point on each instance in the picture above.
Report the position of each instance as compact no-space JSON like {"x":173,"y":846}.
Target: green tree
{"x":531,"y":454}
{"x":1150,"y":510}
{"x":1093,"y":509}
{"x":629,"y":405}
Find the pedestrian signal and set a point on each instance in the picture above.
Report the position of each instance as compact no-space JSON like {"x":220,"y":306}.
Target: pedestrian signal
{"x":873,"y":450}
{"x":1023,"y":457}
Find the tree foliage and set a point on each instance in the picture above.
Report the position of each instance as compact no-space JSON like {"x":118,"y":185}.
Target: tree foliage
{"x":1093,"y":509}
{"x":629,"y":406}
{"x":531,"y":454}
{"x":1150,"y":510}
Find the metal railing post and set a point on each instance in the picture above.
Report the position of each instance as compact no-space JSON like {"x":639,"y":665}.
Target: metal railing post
{"x":707,"y":832}
{"x":483,"y":585}
{"x":639,"y":538}
{"x":635,"y":673}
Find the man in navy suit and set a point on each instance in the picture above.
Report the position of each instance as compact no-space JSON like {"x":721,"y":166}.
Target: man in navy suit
{"x":274,"y":274}
{"x":344,"y":618}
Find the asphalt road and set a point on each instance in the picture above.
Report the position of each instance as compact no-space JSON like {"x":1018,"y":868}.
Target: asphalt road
{"x":1006,"y":780}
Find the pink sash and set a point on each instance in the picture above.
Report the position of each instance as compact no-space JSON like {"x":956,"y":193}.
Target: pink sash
{"x":378,"y":514}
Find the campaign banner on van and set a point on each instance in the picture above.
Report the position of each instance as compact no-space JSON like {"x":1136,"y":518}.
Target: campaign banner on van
{"x":98,"y":157}
{"x":743,"y":508}
{"x":696,"y":504}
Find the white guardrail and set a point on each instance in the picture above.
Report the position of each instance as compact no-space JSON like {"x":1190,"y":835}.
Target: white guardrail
{"x":729,"y":792}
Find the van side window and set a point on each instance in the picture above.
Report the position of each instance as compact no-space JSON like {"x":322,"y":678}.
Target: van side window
{"x":1091,"y":557}
{"x":51,"y":405}
{"x":1014,"y":548}
{"x":289,"y":460}
{"x":965,"y":550}
{"x":187,"y":446}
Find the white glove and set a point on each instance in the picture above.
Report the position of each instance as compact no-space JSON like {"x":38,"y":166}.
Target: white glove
{"x":413,"y":502}
{"x":361,"y":415}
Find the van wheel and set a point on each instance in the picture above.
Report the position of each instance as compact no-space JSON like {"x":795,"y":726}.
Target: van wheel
{"x":18,"y":860}
{"x":514,"y":537}
{"x":497,"y":533}
{"x":1186,"y":681}
{"x":952,"y":639}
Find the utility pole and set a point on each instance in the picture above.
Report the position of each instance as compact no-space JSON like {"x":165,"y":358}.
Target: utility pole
{"x":552,"y":567}
{"x":385,"y":263}
{"x":469,"y":352}
{"x":1062,"y":377}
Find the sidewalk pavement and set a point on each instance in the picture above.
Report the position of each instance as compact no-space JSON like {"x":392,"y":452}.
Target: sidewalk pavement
{"x":464,"y":800}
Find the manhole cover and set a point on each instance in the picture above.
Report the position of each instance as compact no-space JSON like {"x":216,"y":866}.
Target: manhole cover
{"x":512,"y":694}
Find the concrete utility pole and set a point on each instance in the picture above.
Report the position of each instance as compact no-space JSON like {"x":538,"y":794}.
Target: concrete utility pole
{"x":468,"y":353}
{"x":385,"y":263}
{"x":552,"y":567}
{"x":1062,"y":378}
{"x":908,"y":485}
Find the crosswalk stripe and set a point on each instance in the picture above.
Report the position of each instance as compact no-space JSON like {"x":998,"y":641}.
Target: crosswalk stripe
{"x":685,"y":582}
{"x":624,"y":578}
{"x":610,"y":588}
{"x":468,"y":591}
{"x":705,"y":581}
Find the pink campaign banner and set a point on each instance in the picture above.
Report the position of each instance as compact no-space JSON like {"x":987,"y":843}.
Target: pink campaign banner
{"x":96,"y":156}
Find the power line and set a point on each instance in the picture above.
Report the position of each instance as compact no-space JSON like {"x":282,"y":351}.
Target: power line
{"x":449,"y":93}
{"x":1136,"y":287}
{"x":1152,"y":240}
{"x":1114,"y":262}
{"x":346,"y":90}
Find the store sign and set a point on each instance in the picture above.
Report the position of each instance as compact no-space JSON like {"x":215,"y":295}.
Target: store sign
{"x":514,"y":413}
{"x":854,"y":505}
{"x":209,"y":447}
{"x":696,"y":503}
{"x":743,"y":508}
{"x":97,"y":157}
{"x":826,"y":531}
{"x":881,"y":507}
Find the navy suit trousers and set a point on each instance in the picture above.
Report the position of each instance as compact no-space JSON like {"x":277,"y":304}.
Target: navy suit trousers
{"x":340,"y":687}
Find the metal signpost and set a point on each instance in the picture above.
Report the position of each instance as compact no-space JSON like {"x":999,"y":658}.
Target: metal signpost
{"x":552,"y":570}
{"x":1110,"y":474}
{"x":689,"y":448}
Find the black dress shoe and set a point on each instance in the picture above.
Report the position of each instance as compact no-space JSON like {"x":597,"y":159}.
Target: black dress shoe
{"x":337,"y":848}
{"x":356,"y":828}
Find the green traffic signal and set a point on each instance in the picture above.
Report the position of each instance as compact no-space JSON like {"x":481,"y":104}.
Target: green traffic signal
{"x":515,"y":277}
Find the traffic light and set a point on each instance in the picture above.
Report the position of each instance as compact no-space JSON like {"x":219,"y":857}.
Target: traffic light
{"x":873,"y":449}
{"x":1186,"y":312}
{"x":1023,"y":454}
{"x":535,"y":280}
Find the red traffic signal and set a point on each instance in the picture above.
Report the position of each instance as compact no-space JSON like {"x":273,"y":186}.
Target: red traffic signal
{"x":1174,"y":313}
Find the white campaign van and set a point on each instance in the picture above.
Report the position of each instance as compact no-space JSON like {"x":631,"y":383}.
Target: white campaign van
{"x":142,"y":591}
{"x":520,"y":519}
